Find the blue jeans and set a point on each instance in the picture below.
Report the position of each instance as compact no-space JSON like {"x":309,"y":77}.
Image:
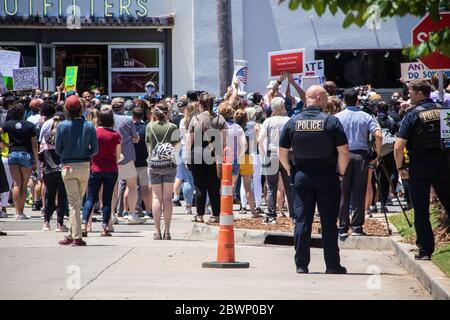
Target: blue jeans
{"x":20,"y":158}
{"x":96,"y":180}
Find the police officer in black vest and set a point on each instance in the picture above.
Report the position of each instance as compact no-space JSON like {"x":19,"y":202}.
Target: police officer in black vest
{"x":421,"y":135}
{"x":321,"y":155}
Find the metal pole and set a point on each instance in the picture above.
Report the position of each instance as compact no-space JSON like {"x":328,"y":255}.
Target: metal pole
{"x":441,"y":86}
{"x":225,"y":40}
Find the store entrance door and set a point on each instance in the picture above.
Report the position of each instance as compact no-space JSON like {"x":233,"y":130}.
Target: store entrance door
{"x":92,"y":62}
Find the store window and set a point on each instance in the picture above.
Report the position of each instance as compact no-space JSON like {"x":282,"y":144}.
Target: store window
{"x":350,"y":68}
{"x":132,"y":66}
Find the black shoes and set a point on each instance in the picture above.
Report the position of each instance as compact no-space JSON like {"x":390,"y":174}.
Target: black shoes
{"x":302,"y":270}
{"x":423,"y":257}
{"x":338,"y":270}
{"x":176,"y":203}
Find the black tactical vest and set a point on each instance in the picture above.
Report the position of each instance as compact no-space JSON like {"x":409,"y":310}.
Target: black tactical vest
{"x":426,"y":138}
{"x":311,"y":139}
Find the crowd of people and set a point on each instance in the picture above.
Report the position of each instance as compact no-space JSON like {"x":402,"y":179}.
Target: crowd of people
{"x":134,"y":159}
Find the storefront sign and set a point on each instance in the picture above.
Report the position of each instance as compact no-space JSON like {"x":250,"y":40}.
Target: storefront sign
{"x":86,"y":8}
{"x":9,"y":60}
{"x":291,"y":61}
{"x":445,"y":128}
{"x":26,"y":78}
{"x":241,"y":73}
{"x":70,"y":82}
{"x":416,"y":70}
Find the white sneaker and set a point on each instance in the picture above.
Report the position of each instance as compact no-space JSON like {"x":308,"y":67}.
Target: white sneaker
{"x":189,"y":211}
{"x":135,"y":219}
{"x":21,"y":217}
{"x":125,"y":215}
{"x":46,"y":226}
{"x":115,"y":220}
{"x":208,"y":211}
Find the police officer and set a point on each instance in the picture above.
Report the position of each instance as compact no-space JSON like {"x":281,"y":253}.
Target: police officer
{"x":420,"y":133}
{"x":321,"y":155}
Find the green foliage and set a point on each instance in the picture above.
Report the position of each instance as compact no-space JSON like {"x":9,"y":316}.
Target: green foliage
{"x":441,"y":258}
{"x":357,"y":12}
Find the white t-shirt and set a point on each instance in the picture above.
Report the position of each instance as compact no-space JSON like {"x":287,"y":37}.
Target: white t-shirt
{"x":45,"y":130}
{"x":34,"y":118}
{"x":271,"y":131}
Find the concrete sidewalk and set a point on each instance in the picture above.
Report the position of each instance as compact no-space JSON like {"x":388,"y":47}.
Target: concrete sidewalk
{"x":131,"y":265}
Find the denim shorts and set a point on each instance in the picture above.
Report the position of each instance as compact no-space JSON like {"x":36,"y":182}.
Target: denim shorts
{"x":20,"y":158}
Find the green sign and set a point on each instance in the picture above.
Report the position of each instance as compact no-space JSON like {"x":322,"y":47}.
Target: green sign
{"x":70,"y":82}
{"x":8,"y":82}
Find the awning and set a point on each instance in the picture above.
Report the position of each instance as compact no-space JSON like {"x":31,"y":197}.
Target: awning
{"x":87,"y":22}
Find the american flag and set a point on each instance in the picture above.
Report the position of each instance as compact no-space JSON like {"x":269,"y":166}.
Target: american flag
{"x":242,"y":75}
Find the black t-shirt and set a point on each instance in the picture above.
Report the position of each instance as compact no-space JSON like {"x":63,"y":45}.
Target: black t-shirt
{"x":141,"y":147}
{"x":20,"y":134}
{"x":177,"y":118}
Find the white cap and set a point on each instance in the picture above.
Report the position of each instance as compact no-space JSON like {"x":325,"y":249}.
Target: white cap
{"x":272,"y":84}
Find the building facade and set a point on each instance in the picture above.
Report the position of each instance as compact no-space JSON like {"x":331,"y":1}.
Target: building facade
{"x":121,"y":44}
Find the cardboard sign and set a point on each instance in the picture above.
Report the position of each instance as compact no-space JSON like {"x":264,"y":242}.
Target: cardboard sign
{"x":26,"y":78}
{"x":291,"y":61}
{"x":445,"y":128}
{"x":70,"y":82}
{"x":416,"y":70}
{"x":9,"y":60}
{"x":241,"y":73}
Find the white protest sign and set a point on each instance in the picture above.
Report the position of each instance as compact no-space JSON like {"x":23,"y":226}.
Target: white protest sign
{"x":445,"y":128}
{"x":9,"y":60}
{"x":3,"y":88}
{"x":308,"y":81}
{"x":241,"y":73}
{"x":315,"y":68}
{"x":26,"y":78}
{"x":416,"y":70}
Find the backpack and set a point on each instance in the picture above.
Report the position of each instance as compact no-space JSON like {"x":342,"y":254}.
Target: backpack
{"x":388,"y":142}
{"x":50,"y":138}
{"x":163,"y":154}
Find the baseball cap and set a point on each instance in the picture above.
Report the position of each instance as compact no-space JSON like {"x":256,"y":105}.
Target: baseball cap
{"x":183,"y":102}
{"x":272,"y":84}
{"x":129,"y":105}
{"x":73,"y":104}
{"x":150,"y":84}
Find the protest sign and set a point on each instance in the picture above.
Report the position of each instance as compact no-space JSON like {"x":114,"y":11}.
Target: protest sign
{"x":26,"y":78}
{"x":308,"y":81}
{"x":445,"y":128}
{"x":70,"y":82}
{"x":241,"y":73}
{"x":10,"y":60}
{"x":3,"y":88}
{"x":315,"y":68}
{"x":416,"y":70}
{"x":291,"y":61}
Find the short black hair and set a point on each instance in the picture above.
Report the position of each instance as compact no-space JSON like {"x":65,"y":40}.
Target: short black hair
{"x":48,"y":109}
{"x":257,"y":97}
{"x":350,"y":97}
{"x":192,"y":95}
{"x":16,"y":112}
{"x":105,"y":118}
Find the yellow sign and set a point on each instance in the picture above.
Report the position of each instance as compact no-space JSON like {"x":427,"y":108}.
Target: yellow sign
{"x":70,"y":82}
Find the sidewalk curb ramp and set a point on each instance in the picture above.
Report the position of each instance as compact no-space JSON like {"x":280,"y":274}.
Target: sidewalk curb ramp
{"x":429,"y":275}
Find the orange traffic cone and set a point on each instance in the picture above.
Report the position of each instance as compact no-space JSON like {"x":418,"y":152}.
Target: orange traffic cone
{"x":225,"y":250}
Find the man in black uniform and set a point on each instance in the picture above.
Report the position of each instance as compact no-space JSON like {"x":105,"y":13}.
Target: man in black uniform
{"x":321,"y":157}
{"x":420,"y":133}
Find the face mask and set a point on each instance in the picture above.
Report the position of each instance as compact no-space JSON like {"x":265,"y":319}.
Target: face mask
{"x":128,"y":113}
{"x":97,"y":96}
{"x":150,"y":90}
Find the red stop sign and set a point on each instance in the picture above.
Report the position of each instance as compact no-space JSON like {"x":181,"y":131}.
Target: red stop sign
{"x":421,"y":32}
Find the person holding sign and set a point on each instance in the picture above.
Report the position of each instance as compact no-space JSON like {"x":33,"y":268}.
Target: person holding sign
{"x":429,"y":166}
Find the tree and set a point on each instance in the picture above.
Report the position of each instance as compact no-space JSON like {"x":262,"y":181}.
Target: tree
{"x":224,"y":34}
{"x":357,"y":12}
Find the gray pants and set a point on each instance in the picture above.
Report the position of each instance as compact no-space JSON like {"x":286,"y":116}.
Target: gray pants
{"x":272,"y":188}
{"x":353,"y":192}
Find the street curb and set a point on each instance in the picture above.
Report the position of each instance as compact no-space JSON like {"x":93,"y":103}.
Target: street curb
{"x":429,"y":275}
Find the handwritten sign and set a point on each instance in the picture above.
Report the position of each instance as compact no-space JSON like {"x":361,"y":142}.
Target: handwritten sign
{"x":416,"y":70}
{"x":291,"y":61}
{"x":26,"y":78}
{"x":70,"y":82}
{"x":10,"y":60}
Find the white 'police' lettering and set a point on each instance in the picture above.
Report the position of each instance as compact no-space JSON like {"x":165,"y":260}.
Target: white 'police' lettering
{"x":309,"y":125}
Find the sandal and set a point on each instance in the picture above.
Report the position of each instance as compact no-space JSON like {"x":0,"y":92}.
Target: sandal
{"x":198,"y":219}
{"x":157,"y":236}
{"x":105,"y":233}
{"x":167,"y":236}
